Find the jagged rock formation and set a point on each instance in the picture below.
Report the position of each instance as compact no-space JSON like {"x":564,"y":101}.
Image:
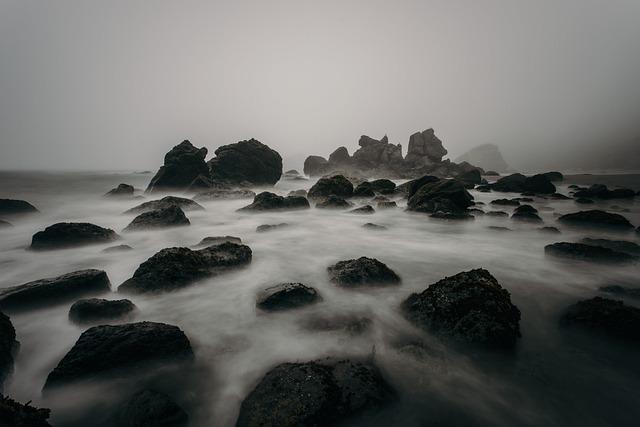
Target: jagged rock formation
{"x":425,"y":149}
{"x":182,"y":165}
{"x":486,"y":156}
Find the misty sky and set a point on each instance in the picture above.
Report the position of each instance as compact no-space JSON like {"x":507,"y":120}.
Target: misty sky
{"x":114,"y":84}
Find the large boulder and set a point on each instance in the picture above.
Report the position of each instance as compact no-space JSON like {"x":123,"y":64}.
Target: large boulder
{"x":600,"y":191}
{"x":362,"y":272}
{"x":582,"y":252}
{"x":95,"y":310}
{"x":122,"y":190}
{"x":518,"y":183}
{"x":15,"y":414}
{"x":183,"y":164}
{"x":617,"y":245}
{"x":336,"y":185}
{"x":8,"y":347}
{"x":118,"y":350}
{"x":315,"y":394}
{"x":71,"y":234}
{"x":175,"y":268}
{"x":425,"y":149}
{"x":267,"y":201}
{"x":539,"y":184}
{"x":149,"y":408}
{"x":165,"y":202}
{"x":596,"y":218}
{"x":54,"y":290}
{"x":383,"y":186}
{"x":340,"y":157}
{"x":605,"y":316}
{"x":286,"y":296}
{"x":470,"y":307}
{"x":513,"y":183}
{"x":486,"y":156}
{"x":554,"y":176}
{"x":374,"y":154}
{"x":447,"y":195}
{"x":16,"y":207}
{"x":316,"y":166}
{"x":171,"y":216}
{"x":411,"y":187}
{"x":246,"y":161}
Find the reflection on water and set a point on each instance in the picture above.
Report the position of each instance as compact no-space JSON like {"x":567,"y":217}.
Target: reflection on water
{"x":552,"y":379}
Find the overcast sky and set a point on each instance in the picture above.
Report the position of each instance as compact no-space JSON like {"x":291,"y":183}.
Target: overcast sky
{"x":114,"y":84}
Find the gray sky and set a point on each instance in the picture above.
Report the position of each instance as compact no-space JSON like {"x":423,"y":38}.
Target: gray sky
{"x":114,"y":84}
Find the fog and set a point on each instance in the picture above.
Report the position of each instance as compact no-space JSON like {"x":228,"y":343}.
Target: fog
{"x":113,"y":85}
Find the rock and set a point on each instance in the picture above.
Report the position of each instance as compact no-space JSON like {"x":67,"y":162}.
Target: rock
{"x":350,"y":323}
{"x":286,"y":296}
{"x":383,"y":186}
{"x":605,"y":316}
{"x":470,"y":307}
{"x":316,"y":166}
{"x":299,"y":193}
{"x":217,"y":240}
{"x":582,"y":252}
{"x":336,"y":185}
{"x":165,"y":202}
{"x":16,"y":207}
{"x":270,"y":227}
{"x":472,"y":177}
{"x":148,"y":408}
{"x":539,"y":184}
{"x":518,"y":183}
{"x":452,"y":216}
{"x":596,"y":218}
{"x":5,"y":224}
{"x":270,"y":201}
{"x":118,"y":350}
{"x":498,"y":228}
{"x":340,"y":157}
{"x":411,"y":187}
{"x":122,"y":190}
{"x":505,"y":202}
{"x":526,"y":213}
{"x":497,"y":213}
{"x":380,"y":199}
{"x":174,"y":268}
{"x":71,"y":234}
{"x":425,"y":149}
{"x":617,"y":245}
{"x":181,"y":166}
{"x":387,"y":205}
{"x":118,"y":248}
{"x":554,"y":176}
{"x":374,"y":154}
{"x":487,"y":156}
{"x":14,"y":414}
{"x":224,"y":194}
{"x":364,"y":190}
{"x":171,"y":216}
{"x":549,"y":230}
{"x":372,"y":226}
{"x":54,"y":290}
{"x":333,"y":202}
{"x":599,"y":191}
{"x":362,"y":272}
{"x":475,"y":211}
{"x":293,"y":175}
{"x":584,"y":201}
{"x":559,"y":196}
{"x":95,"y":310}
{"x":444,"y":195}
{"x":246,"y":161}
{"x":363,"y":210}
{"x":314,"y":394}
{"x":621,"y":291}
{"x":8,"y":348}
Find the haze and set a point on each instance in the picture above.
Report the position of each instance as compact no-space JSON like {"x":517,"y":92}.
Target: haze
{"x":114,"y":84}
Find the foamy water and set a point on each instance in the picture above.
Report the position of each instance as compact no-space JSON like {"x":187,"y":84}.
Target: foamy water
{"x":549,"y":380}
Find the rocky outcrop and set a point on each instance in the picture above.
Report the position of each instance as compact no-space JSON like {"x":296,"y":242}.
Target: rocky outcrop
{"x":171,"y":216}
{"x":313,"y":394}
{"x":425,"y":149}
{"x":596,"y":218}
{"x":54,"y":290}
{"x":182,"y":165}
{"x":554,"y":176}
{"x":96,"y":310}
{"x":470,"y":307}
{"x":16,"y":207}
{"x":165,"y":202}
{"x":118,"y":350}
{"x":333,"y":202}
{"x":316,"y":166}
{"x":246,"y":161}
{"x":286,"y":296}
{"x":605,"y":316}
{"x":15,"y":414}
{"x":617,"y":245}
{"x":175,"y":268}
{"x":377,"y":154}
{"x":340,"y":157}
{"x":71,"y":234}
{"x":362,"y":272}
{"x":582,"y":252}
{"x":336,"y":185}
{"x":411,"y":187}
{"x":122,"y":190}
{"x":447,"y":195}
{"x":486,"y":156}
{"x":148,"y":408}
{"x":8,"y":348}
{"x":267,"y":201}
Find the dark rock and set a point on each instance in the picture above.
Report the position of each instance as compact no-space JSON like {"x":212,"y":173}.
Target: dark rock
{"x":54,"y":290}
{"x":452,"y":216}
{"x":498,"y":228}
{"x":475,"y":211}
{"x":584,"y":201}
{"x":165,"y":202}
{"x":333,"y":202}
{"x":293,"y":175}
{"x":383,"y":186}
{"x":524,"y":199}
{"x":425,"y":149}
{"x":5,"y":224}
{"x":95,"y":310}
{"x":444,"y":195}
{"x":497,"y":213}
{"x":550,"y":230}
{"x":513,"y":183}
{"x":350,"y":323}
{"x":122,"y":190}
{"x":617,"y":245}
{"x":596,"y":218}
{"x":117,"y":350}
{"x":174,"y":268}
{"x":483,"y":188}
{"x":582,"y":252}
{"x":599,"y":191}
{"x":16,"y":207}
{"x":246,"y":161}
{"x":387,"y":205}
{"x":118,"y":248}
{"x":224,"y":194}
{"x":270,"y":227}
{"x":171,"y":216}
{"x":374,"y":154}
{"x":372,"y":226}
{"x":621,"y":291}
{"x":14,"y":414}
{"x":539,"y":184}
{"x":270,"y":201}
{"x":316,"y":166}
{"x":605,"y":316}
{"x":411,"y":187}
{"x":363,"y":210}
{"x":181,"y":166}
{"x":559,"y":196}
{"x":286,"y":296}
{"x":505,"y":202}
{"x":518,"y":183}
{"x":314,"y":394}
{"x":336,"y":185}
{"x":486,"y":156}
{"x":526,"y":213}
{"x":487,"y":173}
{"x":362,"y":272}
{"x":340,"y":157}
{"x":472,"y":176}
{"x":299,"y":193}
{"x":554,"y":176}
{"x":470,"y":307}
{"x":217,"y":240}
{"x":8,"y":348}
{"x":148,"y":408}
{"x":71,"y":234}
{"x":364,"y":190}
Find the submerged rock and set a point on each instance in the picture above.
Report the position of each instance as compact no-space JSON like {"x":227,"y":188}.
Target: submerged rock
{"x":363,"y":210}
{"x":526,"y":213}
{"x":95,"y":310}
{"x":161,"y":218}
{"x":122,"y":190}
{"x":182,"y":165}
{"x":118,"y":350}
{"x":582,"y":252}
{"x":336,"y":185}
{"x":270,"y":201}
{"x":118,"y":248}
{"x":584,"y":201}
{"x":15,"y":414}
{"x":16,"y":207}
{"x":554,"y":176}
{"x":5,"y":224}
{"x":314,"y":394}
{"x":497,"y":213}
{"x":175,"y":268}
{"x":270,"y":227}
{"x":362,"y":272}
{"x":8,"y":348}
{"x":246,"y":161}
{"x":71,"y":234}
{"x":617,"y":245}
{"x":217,"y":240}
{"x":148,"y":408}
{"x":605,"y":316}
{"x":333,"y":202}
{"x":224,"y":194}
{"x":54,"y":290}
{"x":286,"y":296}
{"x":444,"y":195}
{"x":372,"y":226}
{"x":166,"y":202}
{"x":452,"y":216}
{"x":596,"y":218}
{"x":470,"y":307}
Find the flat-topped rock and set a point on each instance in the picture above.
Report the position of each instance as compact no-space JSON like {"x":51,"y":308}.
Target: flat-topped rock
{"x":336,"y":185}
{"x":270,"y":227}
{"x":117,"y":248}
{"x":65,"y":235}
{"x":582,"y":252}
{"x":616,"y":245}
{"x":165,"y":202}
{"x":286,"y":296}
{"x":596,"y":218}
{"x":246,"y":161}
{"x":362,"y":272}
{"x":171,"y":216}
{"x":447,"y":195}
{"x":95,"y":310}
{"x":267,"y":201}
{"x":217,"y":240}
{"x":5,"y":224}
{"x":16,"y":207}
